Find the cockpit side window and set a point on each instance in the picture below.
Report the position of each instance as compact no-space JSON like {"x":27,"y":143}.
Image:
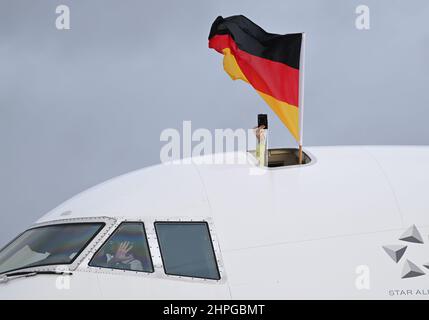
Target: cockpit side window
{"x":187,"y":249}
{"x":48,"y":245}
{"x":126,"y":249}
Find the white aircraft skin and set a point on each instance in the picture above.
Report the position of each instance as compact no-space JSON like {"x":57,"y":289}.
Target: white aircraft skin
{"x":314,"y":231}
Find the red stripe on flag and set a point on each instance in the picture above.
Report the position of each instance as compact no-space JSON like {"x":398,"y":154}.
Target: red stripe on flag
{"x":270,"y":77}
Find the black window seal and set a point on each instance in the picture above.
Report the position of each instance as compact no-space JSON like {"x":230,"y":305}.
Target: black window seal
{"x":102,"y":225}
{"x":111,"y":235}
{"x":211,"y":245}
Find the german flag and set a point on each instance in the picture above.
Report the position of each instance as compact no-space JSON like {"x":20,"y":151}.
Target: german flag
{"x":269,"y":62}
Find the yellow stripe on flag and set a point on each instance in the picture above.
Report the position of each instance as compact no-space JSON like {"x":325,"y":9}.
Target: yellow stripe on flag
{"x":287,"y":113}
{"x":231,"y":66}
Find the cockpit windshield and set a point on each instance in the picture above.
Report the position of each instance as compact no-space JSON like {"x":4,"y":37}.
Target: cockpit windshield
{"x":47,"y":245}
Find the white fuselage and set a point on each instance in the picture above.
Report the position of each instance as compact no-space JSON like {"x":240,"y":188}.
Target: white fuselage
{"x":314,"y":231}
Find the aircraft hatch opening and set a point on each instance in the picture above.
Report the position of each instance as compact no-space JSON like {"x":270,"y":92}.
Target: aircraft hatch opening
{"x":283,"y":157}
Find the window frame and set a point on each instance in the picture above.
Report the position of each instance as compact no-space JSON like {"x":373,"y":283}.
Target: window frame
{"x":114,"y":230}
{"x":212,"y":246}
{"x":55,"y":224}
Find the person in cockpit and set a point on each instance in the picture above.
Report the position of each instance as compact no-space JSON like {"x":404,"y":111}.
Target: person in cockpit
{"x":120,"y":256}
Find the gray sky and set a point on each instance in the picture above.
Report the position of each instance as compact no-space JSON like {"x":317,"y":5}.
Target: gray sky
{"x":80,"y":106}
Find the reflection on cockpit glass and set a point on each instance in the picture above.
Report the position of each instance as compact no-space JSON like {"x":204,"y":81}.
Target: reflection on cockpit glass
{"x":48,"y":245}
{"x":126,"y":249}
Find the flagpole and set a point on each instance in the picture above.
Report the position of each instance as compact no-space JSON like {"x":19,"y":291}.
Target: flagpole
{"x":301,"y":96}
